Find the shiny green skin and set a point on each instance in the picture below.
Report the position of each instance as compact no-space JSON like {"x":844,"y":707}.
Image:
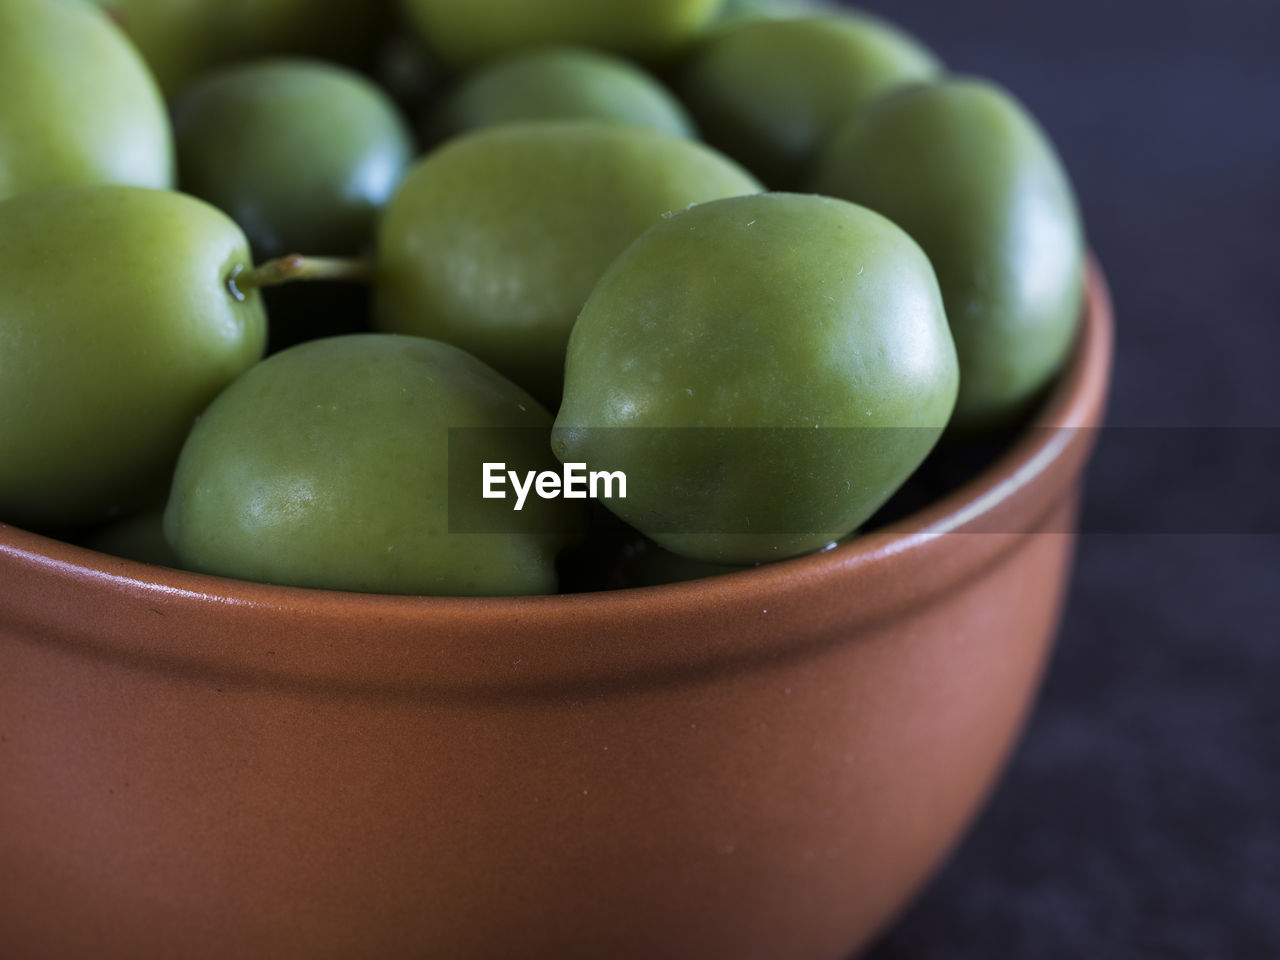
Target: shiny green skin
{"x":561,"y":83}
{"x":327,"y":466}
{"x":302,"y":154}
{"x":116,"y":329}
{"x":769,"y":9}
{"x":494,"y":241}
{"x":77,"y":105}
{"x":139,"y":536}
{"x":466,"y":32}
{"x":771,"y":311}
{"x":182,"y":39}
{"x":769,"y":91}
{"x":964,"y":169}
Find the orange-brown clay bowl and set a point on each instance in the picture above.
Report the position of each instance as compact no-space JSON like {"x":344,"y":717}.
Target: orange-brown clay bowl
{"x":761,"y":765}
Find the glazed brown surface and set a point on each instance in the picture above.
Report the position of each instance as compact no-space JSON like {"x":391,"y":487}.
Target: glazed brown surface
{"x":765,"y":764}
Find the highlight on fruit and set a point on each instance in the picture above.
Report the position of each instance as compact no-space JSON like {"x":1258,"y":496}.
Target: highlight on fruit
{"x":720,"y":281}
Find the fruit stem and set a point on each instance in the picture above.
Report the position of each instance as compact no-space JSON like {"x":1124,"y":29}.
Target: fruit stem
{"x":293,"y":267}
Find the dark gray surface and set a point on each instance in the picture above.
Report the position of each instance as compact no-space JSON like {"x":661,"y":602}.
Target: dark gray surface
{"x":1140,"y":818}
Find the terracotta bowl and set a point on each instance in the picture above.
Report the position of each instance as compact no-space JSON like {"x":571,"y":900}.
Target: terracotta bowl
{"x":760,"y":765}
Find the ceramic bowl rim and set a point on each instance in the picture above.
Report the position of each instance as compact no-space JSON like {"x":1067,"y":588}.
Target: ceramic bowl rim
{"x":110,"y":605}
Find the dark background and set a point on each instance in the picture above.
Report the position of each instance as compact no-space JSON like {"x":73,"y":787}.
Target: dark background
{"x":1140,"y":818}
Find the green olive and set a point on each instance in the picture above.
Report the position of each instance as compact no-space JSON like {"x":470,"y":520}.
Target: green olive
{"x":766,"y":371}
{"x":77,"y":104}
{"x":330,"y":465}
{"x":117,"y":327}
{"x":302,"y":154}
{"x":732,"y":10}
{"x":466,"y":32}
{"x":964,"y":169}
{"x":181,"y":39}
{"x":560,"y":83}
{"x":769,"y":91}
{"x":494,"y":241}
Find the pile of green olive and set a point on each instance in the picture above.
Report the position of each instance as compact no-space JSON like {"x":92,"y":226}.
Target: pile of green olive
{"x":758,"y":256}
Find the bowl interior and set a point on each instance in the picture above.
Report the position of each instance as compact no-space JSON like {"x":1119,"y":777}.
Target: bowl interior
{"x":120,"y":608}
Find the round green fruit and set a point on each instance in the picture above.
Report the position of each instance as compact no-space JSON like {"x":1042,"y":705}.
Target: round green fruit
{"x":77,"y":104}
{"x":302,"y":154}
{"x":330,"y":465}
{"x":766,"y":371}
{"x":964,"y":169}
{"x":117,"y":327}
{"x":494,"y":242}
{"x":182,"y":39}
{"x":560,"y":83}
{"x":769,"y":91}
{"x":733,"y":10}
{"x":466,"y":32}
